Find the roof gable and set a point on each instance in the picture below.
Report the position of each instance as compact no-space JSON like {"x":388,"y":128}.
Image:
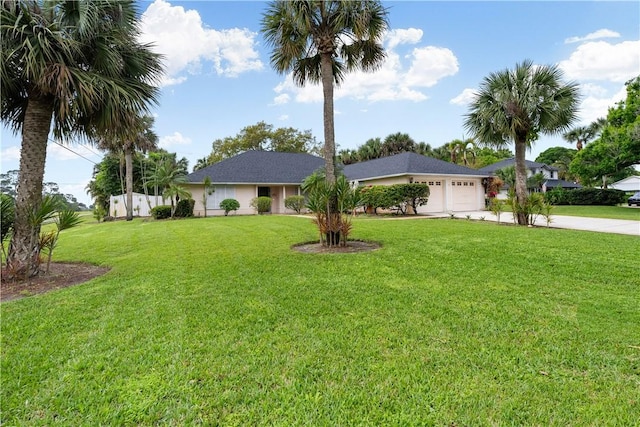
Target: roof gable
{"x":405,"y":164}
{"x":260,"y":167}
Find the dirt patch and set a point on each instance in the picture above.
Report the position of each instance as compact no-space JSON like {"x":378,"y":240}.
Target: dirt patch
{"x":61,"y":275}
{"x":353,"y":246}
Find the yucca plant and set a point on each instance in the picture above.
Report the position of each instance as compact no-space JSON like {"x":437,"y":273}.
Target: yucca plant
{"x":64,"y":219}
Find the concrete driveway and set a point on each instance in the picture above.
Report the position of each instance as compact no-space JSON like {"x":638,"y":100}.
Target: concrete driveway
{"x":600,"y":225}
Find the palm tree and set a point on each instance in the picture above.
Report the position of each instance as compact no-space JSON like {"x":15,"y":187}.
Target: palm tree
{"x":321,"y":40}
{"x":581,"y":135}
{"x":167,"y":177}
{"x":397,"y":143}
{"x":72,"y":67}
{"x":137,"y":135}
{"x":518,"y":105}
{"x":372,"y":149}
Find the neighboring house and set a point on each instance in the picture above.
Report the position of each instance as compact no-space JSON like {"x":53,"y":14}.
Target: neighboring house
{"x":279,"y":175}
{"x":631,"y":183}
{"x":549,"y":173}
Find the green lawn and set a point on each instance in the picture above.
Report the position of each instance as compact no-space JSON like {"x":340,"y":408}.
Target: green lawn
{"x":612,"y":212}
{"x":216,"y":321}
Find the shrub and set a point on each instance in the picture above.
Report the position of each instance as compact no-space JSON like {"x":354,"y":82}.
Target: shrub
{"x":375,"y":197}
{"x":7,"y":214}
{"x":229,"y":205}
{"x":161,"y":212}
{"x":585,"y":196}
{"x":99,"y":212}
{"x":261,"y":204}
{"x":295,"y":203}
{"x":184,"y":208}
{"x":397,"y":196}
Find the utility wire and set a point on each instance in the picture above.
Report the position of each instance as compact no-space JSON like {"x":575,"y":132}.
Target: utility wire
{"x":77,"y":154}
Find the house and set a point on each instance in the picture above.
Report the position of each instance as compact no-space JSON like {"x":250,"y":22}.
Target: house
{"x":279,"y":175}
{"x":630,"y":183}
{"x":452,"y":188}
{"x":549,"y":174}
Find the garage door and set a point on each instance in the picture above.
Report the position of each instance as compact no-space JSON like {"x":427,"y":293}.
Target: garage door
{"x":436,"y":197}
{"x":464,"y":194}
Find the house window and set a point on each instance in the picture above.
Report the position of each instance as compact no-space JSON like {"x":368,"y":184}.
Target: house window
{"x":430,"y":182}
{"x":220,"y":193}
{"x":438,"y":183}
{"x":471,"y":184}
{"x":466,"y":184}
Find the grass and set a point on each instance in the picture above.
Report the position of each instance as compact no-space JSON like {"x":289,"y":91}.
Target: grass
{"x":611,"y":212}
{"x":216,"y":321}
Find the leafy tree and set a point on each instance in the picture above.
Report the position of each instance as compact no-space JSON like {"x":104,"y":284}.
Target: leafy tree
{"x":229,"y":205}
{"x":560,"y":158}
{"x":261,"y":136}
{"x":397,"y":143}
{"x":618,"y":148}
{"x":138,"y":135}
{"x":71,"y":68}
{"x":486,"y":156}
{"x":9,"y":182}
{"x":518,"y":105}
{"x":319,"y":41}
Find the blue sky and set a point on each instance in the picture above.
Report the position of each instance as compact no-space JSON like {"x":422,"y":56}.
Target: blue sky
{"x":219,"y":79}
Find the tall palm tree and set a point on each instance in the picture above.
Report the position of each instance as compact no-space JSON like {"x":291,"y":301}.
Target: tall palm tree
{"x":136,"y":135}
{"x":372,"y":149}
{"x":581,"y":135}
{"x":72,"y":67}
{"x":321,"y":40}
{"x":518,"y":105}
{"x":397,"y":143}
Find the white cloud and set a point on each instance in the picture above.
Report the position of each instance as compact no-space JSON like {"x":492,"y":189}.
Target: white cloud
{"x":402,"y":36}
{"x":399,"y":78}
{"x":465,"y":97}
{"x":600,"y":34}
{"x":596,"y":104}
{"x":187,"y":44}
{"x":603,"y":61}
{"x":173,"y":140}
{"x":283,"y":117}
{"x":10,"y":153}
{"x":281,"y":99}
{"x":429,"y":65}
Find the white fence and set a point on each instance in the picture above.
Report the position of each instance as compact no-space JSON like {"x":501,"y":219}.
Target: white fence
{"x":141,"y":204}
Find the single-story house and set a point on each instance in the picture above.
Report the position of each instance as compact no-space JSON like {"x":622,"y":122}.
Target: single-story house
{"x":549,"y":173}
{"x":279,"y":175}
{"x":630,"y":183}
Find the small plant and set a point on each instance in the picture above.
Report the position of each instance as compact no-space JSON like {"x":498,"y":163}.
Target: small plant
{"x":452,"y":215}
{"x":65,"y":219}
{"x":261,"y":204}
{"x":184,"y":208}
{"x":115,"y":208}
{"x":295,"y":203}
{"x":468,"y":217}
{"x":481,"y":218}
{"x":99,"y":213}
{"x":496,"y":206}
{"x":161,"y":212}
{"x":229,"y":205}
{"x":546,"y":213}
{"x":7,"y":216}
{"x":137,"y":210}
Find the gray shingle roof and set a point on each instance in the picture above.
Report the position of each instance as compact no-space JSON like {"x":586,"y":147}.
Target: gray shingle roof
{"x":553,"y":183}
{"x":511,"y":162}
{"x":260,"y":167}
{"x":406,"y":163}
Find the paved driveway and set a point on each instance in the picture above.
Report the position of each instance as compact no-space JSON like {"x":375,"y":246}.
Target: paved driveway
{"x":601,"y":225}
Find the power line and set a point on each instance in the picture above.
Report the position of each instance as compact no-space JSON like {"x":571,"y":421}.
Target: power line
{"x":77,"y":154}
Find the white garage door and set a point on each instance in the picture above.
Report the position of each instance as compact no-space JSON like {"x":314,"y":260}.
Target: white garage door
{"x":464,"y":194}
{"x":436,"y":197}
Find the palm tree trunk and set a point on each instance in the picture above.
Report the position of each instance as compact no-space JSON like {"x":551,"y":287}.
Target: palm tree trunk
{"x":521,"y":183}
{"x":128,"y":161}
{"x":329,"y":127}
{"x":24,"y":252}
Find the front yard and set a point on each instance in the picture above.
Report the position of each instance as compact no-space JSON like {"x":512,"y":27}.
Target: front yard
{"x":217,"y":321}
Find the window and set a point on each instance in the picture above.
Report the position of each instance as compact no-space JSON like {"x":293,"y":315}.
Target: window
{"x":438,"y":183}
{"x":220,"y":193}
{"x":430,"y":182}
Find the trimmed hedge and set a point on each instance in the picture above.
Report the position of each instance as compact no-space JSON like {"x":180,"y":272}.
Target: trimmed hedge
{"x":398,"y":196}
{"x":229,"y":205}
{"x":262,"y":204}
{"x":585,"y":196}
{"x":295,"y":203}
{"x":184,"y":208}
{"x":160,"y":212}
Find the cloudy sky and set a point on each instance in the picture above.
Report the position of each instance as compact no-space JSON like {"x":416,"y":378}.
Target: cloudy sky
{"x":219,"y":79}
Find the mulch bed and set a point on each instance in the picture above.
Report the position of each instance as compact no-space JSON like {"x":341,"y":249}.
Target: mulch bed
{"x":353,"y":246}
{"x":61,"y":275}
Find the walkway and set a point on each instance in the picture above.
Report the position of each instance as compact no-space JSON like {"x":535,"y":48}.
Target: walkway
{"x":601,"y":225}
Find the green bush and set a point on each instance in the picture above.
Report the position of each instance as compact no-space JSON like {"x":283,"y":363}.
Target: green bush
{"x":585,"y":196}
{"x":184,"y":208}
{"x":161,"y":212}
{"x":295,"y":203}
{"x":261,"y":204}
{"x":229,"y":205}
{"x":397,"y":196}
